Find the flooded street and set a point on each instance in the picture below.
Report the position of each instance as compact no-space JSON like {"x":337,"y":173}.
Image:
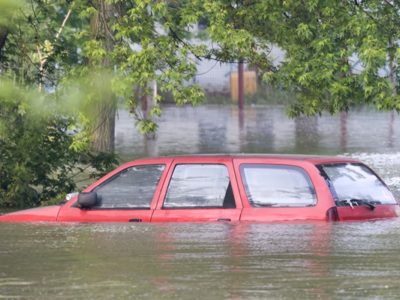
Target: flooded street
{"x":201,"y":261}
{"x":260,"y":129}
{"x":316,"y":260}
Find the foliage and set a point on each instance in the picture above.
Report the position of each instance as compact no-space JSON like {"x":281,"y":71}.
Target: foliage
{"x":53,"y":47}
{"x":147,"y":47}
{"x":34,"y":154}
{"x":337,"y":53}
{"x":37,"y":163}
{"x":335,"y":60}
{"x":69,"y":62}
{"x":38,"y":50}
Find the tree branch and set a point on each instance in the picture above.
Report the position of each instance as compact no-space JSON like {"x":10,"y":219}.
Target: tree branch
{"x":43,"y":58}
{"x":64,"y":22}
{"x":389,"y":3}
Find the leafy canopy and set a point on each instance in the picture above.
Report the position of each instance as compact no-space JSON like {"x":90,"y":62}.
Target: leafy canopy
{"x":61,"y":62}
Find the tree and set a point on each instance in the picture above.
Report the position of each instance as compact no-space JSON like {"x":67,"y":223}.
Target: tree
{"x":146,"y":48}
{"x":39,"y":157}
{"x":135,"y":43}
{"x":34,"y":150}
{"x":56,"y":51}
{"x":85,"y":56}
{"x":103,"y":125}
{"x":335,"y":51}
{"x":336,"y":54}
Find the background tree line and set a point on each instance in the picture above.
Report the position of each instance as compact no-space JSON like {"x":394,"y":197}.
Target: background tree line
{"x":65,"y":65}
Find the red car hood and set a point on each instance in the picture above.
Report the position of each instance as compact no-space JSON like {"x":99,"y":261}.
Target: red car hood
{"x":40,"y":214}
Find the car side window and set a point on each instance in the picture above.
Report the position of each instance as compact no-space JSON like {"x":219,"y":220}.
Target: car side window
{"x":199,"y":186}
{"x":277,"y":186}
{"x":133,"y":188}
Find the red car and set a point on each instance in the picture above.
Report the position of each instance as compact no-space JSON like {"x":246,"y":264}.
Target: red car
{"x":227,"y":188}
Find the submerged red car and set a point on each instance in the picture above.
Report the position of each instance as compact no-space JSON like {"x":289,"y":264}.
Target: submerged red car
{"x":260,"y":188}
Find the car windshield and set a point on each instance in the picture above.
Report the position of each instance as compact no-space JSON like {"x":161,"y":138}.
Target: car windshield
{"x":356,"y":182}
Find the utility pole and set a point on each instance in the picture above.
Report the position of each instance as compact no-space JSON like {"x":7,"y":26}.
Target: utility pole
{"x":241,"y":85}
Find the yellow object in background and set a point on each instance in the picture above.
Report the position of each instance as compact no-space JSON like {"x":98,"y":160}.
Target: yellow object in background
{"x":250,"y":84}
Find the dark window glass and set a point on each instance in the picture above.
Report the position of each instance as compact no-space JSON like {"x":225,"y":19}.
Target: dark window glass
{"x":356,"y":182}
{"x":277,"y":186}
{"x":132,"y":188}
{"x":196,"y":186}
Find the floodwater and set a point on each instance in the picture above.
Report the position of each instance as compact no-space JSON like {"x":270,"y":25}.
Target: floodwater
{"x":259,"y":129}
{"x":353,"y":260}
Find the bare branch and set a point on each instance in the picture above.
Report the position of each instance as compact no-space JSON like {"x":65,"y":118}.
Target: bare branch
{"x":64,"y":22}
{"x":43,"y":58}
{"x":389,"y":3}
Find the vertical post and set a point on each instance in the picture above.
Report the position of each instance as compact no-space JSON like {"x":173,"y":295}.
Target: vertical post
{"x":241,"y":103}
{"x":148,"y":102}
{"x":155,"y":93}
{"x":391,"y":130}
{"x":343,"y":130}
{"x":144,"y":105}
{"x":241,"y":85}
{"x":392,"y":68}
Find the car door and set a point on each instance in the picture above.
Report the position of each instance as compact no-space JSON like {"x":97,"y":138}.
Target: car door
{"x":199,"y":189}
{"x":129,"y":194}
{"x":279,"y":190}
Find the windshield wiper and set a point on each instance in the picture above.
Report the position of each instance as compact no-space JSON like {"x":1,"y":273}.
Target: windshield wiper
{"x":350,"y":202}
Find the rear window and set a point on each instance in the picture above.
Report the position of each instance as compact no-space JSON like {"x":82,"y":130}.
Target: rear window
{"x":277,"y":186}
{"x":351,"y":181}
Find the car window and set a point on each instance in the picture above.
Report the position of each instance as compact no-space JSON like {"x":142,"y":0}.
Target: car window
{"x":277,"y":186}
{"x":352,"y":181}
{"x":131,"y":188}
{"x":199,"y":186}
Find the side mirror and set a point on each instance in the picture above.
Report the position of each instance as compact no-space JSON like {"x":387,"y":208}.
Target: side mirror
{"x":87,"y":200}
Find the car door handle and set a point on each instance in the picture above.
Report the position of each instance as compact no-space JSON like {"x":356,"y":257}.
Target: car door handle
{"x":224,"y":220}
{"x":135,"y":220}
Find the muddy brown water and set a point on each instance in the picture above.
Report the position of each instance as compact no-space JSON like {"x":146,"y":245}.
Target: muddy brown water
{"x":352,"y":260}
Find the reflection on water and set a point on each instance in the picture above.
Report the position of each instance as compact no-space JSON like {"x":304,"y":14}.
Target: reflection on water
{"x":261,"y":129}
{"x":306,"y":133}
{"x":210,"y":261}
{"x":221,"y":261}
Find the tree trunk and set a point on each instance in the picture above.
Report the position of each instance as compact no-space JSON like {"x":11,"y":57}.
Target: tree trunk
{"x":3,"y":39}
{"x":104,"y":131}
{"x":392,"y":70}
{"x":392,"y":76}
{"x":104,"y":125}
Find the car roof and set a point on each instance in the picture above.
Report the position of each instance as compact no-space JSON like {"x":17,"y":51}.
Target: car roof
{"x":314,"y":159}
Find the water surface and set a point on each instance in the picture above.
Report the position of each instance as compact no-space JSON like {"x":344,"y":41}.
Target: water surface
{"x":201,"y":261}
{"x":352,"y":260}
{"x":259,"y":129}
